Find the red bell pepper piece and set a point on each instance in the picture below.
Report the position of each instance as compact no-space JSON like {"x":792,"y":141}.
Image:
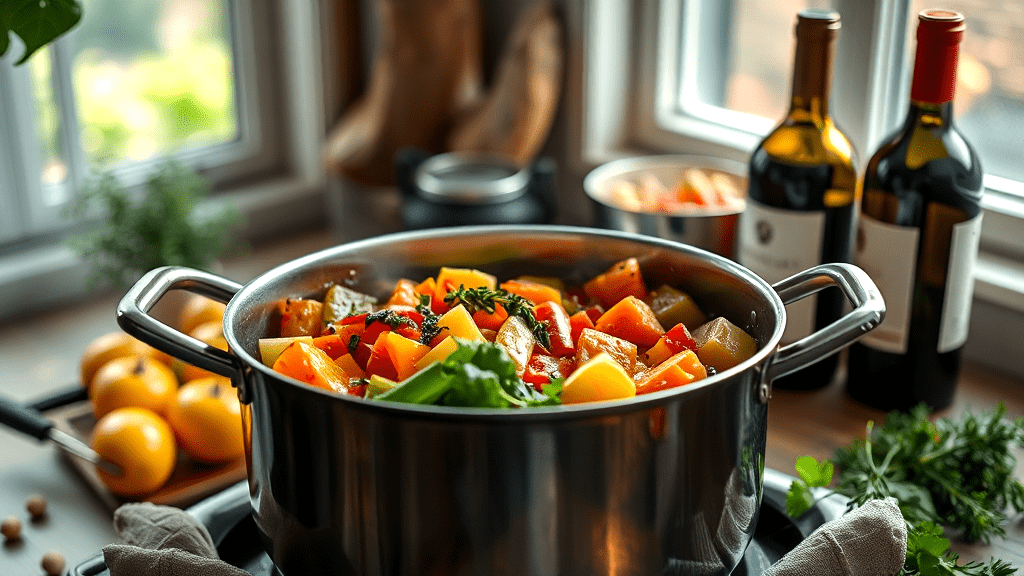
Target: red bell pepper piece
{"x":558,"y":328}
{"x":577,"y":323}
{"x":543,"y":368}
{"x":678,"y":338}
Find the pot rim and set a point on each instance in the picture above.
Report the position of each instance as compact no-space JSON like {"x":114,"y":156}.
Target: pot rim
{"x":615,"y":168}
{"x":507,"y":415}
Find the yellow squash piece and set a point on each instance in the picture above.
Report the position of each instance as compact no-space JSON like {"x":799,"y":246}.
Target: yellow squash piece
{"x":600,"y":378}
{"x":452,"y":278}
{"x":403,"y":352}
{"x":459,"y":323}
{"x":271,"y":348}
{"x":437,"y":353}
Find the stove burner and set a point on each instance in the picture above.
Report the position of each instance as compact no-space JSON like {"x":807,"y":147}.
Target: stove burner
{"x":226,"y":516}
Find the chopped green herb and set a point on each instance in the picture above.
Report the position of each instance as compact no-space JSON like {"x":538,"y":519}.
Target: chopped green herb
{"x":353,"y":343}
{"x":390,"y":317}
{"x":428,"y":328}
{"x":482,"y":298}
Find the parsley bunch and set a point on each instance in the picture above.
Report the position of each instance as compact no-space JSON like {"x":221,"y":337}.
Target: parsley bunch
{"x":955,"y":473}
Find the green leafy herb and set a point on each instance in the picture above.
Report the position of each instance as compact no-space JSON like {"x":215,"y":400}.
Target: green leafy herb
{"x":476,"y":374}
{"x":353,"y":342}
{"x":957,"y":473}
{"x":36,"y":23}
{"x":428,"y":328}
{"x":811,"y":474}
{"x":162,"y":228}
{"x":482,"y":298}
{"x":390,"y":317}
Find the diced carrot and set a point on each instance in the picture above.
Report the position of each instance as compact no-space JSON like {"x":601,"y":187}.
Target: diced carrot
{"x":631,"y":319}
{"x":535,"y":292}
{"x":673,"y":342}
{"x":403,"y":352}
{"x":621,"y":280}
{"x":594,"y":312}
{"x":404,"y":294}
{"x":307,"y":363}
{"x":488,"y":321}
{"x":577,"y":322}
{"x":380,"y":362}
{"x":349,"y":365}
{"x":679,"y":370}
{"x":333,"y":345}
{"x":449,"y":279}
{"x":429,"y":288}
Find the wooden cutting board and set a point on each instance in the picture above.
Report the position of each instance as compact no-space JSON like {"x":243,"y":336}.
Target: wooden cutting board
{"x":190,"y":482}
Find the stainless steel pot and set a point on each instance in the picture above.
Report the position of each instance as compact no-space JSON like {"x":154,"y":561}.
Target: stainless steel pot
{"x":667,"y":483}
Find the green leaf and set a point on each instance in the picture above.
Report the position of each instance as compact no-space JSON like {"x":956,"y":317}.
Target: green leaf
{"x":36,"y":22}
{"x":799,"y":499}
{"x":814,"y":473}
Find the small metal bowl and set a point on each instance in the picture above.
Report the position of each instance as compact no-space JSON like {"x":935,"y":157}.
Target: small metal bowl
{"x":711,"y":229}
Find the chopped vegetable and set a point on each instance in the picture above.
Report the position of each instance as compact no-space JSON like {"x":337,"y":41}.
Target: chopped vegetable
{"x":517,"y":340}
{"x":631,"y":319}
{"x":672,"y":306}
{"x":307,"y":363}
{"x":600,"y":378}
{"x":722,"y":345}
{"x":341,"y":302}
{"x":476,"y":374}
{"x":271,"y":348}
{"x":621,"y":280}
{"x":592,"y":343}
{"x":671,"y":343}
{"x":535,"y":292}
{"x":301,"y":317}
{"x":556,"y":321}
{"x":679,"y":370}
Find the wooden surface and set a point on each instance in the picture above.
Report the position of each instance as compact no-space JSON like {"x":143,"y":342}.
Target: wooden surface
{"x":816,"y":423}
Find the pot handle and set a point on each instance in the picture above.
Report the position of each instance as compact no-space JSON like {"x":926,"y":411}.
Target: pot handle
{"x":868,"y":312}
{"x":133,"y":317}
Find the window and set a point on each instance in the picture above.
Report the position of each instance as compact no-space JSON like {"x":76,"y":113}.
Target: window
{"x":230,"y":87}
{"x":710,"y":77}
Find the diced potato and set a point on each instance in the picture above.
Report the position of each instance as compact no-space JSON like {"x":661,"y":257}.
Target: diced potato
{"x":460,"y":324}
{"x":271,"y":348}
{"x":517,"y":340}
{"x":600,"y":378}
{"x":679,"y":370}
{"x":722,"y":345}
{"x":437,"y":353}
{"x":592,"y":343}
{"x":341,"y":302}
{"x":672,"y":306}
{"x":300,"y":317}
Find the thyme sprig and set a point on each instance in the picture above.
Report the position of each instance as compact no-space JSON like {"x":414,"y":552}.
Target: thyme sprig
{"x":475,"y":299}
{"x":428,"y":328}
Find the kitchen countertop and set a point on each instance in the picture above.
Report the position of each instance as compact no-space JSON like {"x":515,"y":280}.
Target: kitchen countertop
{"x":40,"y":356}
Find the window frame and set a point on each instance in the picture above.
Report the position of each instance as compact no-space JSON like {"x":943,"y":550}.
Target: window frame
{"x":276,"y":180}
{"x":632,"y":70}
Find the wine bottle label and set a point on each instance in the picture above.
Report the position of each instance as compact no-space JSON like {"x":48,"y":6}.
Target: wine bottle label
{"x":956,"y":307}
{"x":775,"y":243}
{"x":888,"y":253}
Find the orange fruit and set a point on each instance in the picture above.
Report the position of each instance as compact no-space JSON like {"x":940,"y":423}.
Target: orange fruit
{"x":211,"y":333}
{"x":198,"y":310}
{"x":206,"y":419}
{"x":137,"y":381}
{"x":141,"y":444}
{"x":113,"y":345}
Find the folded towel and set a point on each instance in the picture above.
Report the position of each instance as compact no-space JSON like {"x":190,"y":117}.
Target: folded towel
{"x":162,"y":541}
{"x":165,"y":541}
{"x":869,"y":541}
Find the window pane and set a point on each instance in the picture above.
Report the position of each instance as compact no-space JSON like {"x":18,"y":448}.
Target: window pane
{"x":52,"y":163}
{"x":760,"y":65}
{"x":153,"y":77}
{"x":989,"y":101}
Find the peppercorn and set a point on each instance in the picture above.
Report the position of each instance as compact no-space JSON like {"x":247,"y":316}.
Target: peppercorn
{"x":53,"y":563}
{"x":11,"y":529}
{"x":36,"y":506}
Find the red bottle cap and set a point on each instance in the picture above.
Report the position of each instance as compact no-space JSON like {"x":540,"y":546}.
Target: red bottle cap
{"x":939,"y":33}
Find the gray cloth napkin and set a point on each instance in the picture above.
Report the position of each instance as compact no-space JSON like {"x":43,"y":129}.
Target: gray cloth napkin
{"x":869,"y":541}
{"x":162,"y":541}
{"x":165,"y":541}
